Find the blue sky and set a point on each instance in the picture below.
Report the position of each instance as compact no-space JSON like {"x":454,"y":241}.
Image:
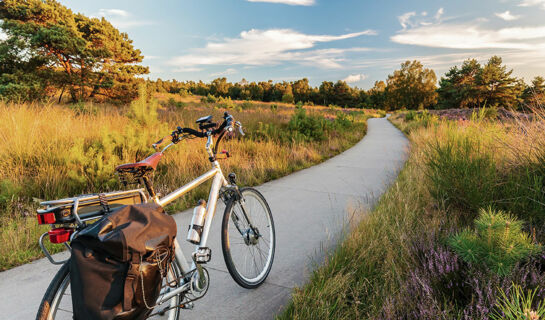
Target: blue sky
{"x":358,"y":41}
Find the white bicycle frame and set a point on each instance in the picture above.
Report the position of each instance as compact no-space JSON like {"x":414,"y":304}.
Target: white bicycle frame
{"x":218,"y":183}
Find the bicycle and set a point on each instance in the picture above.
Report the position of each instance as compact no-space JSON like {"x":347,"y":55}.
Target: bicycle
{"x":247,"y":226}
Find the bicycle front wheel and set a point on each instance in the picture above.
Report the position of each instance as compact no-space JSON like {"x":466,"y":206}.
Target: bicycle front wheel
{"x":248,"y":238}
{"x":57,"y":301}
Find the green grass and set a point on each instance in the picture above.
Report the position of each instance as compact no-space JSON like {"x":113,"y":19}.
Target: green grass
{"x":454,"y":169}
{"x":53,"y":151}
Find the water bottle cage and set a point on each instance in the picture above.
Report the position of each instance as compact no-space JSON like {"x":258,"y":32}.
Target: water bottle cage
{"x":196,"y":228}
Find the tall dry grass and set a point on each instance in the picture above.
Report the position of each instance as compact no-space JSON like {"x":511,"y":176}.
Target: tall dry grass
{"x":52,"y":151}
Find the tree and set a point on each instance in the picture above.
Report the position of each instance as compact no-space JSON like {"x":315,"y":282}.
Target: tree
{"x":326,"y":92}
{"x":301,"y":90}
{"x":411,"y":87}
{"x":377,"y":95}
{"x":256,"y":91}
{"x":87,"y":56}
{"x":458,"y":89}
{"x":534,"y":95}
{"x":220,"y":87}
{"x":496,"y":86}
{"x":342,"y":94}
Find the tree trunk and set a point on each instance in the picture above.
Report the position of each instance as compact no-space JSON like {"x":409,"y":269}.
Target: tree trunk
{"x":62,"y":92}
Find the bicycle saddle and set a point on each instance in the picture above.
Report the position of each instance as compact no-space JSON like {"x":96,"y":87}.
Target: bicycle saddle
{"x":148,"y":163}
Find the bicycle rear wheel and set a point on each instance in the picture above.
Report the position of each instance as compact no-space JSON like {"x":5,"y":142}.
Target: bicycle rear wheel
{"x":57,"y":302}
{"x":248,"y":250}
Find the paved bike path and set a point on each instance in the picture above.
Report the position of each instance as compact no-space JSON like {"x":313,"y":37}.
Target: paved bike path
{"x":310,"y":207}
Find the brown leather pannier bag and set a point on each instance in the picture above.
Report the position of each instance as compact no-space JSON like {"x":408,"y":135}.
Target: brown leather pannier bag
{"x":118,"y":263}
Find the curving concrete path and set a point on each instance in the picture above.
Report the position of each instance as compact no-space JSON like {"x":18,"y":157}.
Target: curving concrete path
{"x":310,"y":211}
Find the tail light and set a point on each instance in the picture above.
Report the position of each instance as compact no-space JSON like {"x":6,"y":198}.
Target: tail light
{"x":46,"y":218}
{"x":60,"y":235}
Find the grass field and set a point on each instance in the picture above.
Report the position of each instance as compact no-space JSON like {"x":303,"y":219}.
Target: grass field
{"x":51,"y":151}
{"x":459,"y":229}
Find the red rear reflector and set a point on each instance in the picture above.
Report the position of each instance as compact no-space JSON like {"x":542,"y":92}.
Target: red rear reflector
{"x":46,"y":218}
{"x":60,"y":235}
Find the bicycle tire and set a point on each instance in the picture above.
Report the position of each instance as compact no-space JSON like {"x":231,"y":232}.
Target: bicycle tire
{"x":242,"y":280}
{"x":44,"y":311}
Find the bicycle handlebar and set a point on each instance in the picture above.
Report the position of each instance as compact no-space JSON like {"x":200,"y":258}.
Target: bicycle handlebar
{"x":227,"y":126}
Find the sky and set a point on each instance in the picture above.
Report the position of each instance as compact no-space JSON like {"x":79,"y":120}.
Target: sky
{"x":359,"y":41}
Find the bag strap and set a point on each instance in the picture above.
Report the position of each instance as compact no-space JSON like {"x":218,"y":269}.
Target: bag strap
{"x":104,"y":202}
{"x":131,"y":281}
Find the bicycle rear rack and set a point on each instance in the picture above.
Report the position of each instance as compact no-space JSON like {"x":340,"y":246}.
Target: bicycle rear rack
{"x":84,"y":208}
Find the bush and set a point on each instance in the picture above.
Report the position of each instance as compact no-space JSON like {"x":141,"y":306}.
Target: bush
{"x":8,"y":192}
{"x":81,"y":108}
{"x":410,"y":115}
{"x":287,"y":98}
{"x":309,"y":128}
{"x":274,"y":107}
{"x":175,"y":104}
{"x":209,"y":99}
{"x":342,"y":121}
{"x":226,"y":103}
{"x":498,"y":242}
{"x":462,"y":174}
{"x":144,"y":108}
{"x":184,"y":93}
{"x":246,"y":105}
{"x":485,"y":113}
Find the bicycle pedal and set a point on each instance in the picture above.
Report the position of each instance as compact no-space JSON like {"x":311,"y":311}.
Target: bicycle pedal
{"x":202,"y":255}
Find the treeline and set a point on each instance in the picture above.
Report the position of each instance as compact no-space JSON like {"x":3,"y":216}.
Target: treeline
{"x":48,"y":50}
{"x":412,"y":87}
{"x":337,"y":93}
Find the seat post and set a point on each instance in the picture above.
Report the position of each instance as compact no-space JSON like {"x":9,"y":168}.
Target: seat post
{"x":149,"y":186}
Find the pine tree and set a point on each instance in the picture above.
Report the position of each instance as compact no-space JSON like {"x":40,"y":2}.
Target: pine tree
{"x":458,"y":89}
{"x":497,"y":88}
{"x":498,"y":242}
{"x":534,"y":95}
{"x":86,"y":56}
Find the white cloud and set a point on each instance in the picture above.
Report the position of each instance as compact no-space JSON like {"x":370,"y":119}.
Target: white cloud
{"x":507,"y":16}
{"x":122,"y":19}
{"x":405,"y":19}
{"x":113,"y":13}
{"x":290,"y":2}
{"x":470,"y":36}
{"x":521,"y":45}
{"x":411,"y":19}
{"x":439,"y":14}
{"x":354,"y":78}
{"x":269,"y":47}
{"x":187,"y":69}
{"x":531,"y":3}
{"x":227,"y":72}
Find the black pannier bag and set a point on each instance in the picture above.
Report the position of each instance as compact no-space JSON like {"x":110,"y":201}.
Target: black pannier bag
{"x":118,"y":263}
